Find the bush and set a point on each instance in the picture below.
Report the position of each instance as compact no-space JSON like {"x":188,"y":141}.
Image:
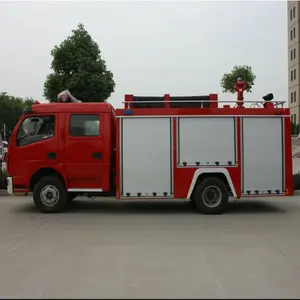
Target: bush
{"x":296,"y":181}
{"x":295,"y":128}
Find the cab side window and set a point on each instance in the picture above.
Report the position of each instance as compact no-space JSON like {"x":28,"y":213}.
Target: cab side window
{"x":35,"y":129}
{"x":84,"y":125}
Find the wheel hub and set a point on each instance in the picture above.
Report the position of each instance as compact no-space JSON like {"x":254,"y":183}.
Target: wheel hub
{"x":49,"y":195}
{"x":212,"y":196}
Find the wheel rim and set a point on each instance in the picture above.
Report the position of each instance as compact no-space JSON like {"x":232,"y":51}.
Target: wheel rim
{"x":212,"y":196}
{"x":49,"y":195}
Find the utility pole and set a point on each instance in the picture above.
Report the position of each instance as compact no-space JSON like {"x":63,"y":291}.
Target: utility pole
{"x":4,"y":132}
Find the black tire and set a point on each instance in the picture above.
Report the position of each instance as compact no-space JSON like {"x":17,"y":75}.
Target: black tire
{"x":214,"y":203}
{"x":55,"y":187}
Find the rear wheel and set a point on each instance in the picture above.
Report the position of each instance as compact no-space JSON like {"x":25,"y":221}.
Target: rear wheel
{"x":211,"y":196}
{"x":50,"y":195}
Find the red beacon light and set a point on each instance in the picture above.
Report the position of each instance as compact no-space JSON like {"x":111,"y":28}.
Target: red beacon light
{"x":36,"y":102}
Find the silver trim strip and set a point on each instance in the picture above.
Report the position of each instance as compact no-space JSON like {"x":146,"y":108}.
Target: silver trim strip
{"x":207,"y":166}
{"x":242,"y":154}
{"x":172,"y":167}
{"x":85,"y":190}
{"x":203,"y":116}
{"x":283,"y":143}
{"x":262,"y":195}
{"x":121,"y":156}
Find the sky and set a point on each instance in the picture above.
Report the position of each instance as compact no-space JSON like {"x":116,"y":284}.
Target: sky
{"x":152,"y":48}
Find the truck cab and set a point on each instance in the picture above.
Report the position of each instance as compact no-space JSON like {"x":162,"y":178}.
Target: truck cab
{"x":73,"y":143}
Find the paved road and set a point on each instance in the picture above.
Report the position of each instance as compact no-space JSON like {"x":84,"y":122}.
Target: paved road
{"x":112,"y":249}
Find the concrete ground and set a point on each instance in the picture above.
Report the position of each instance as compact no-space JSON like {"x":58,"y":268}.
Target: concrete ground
{"x":112,"y":249}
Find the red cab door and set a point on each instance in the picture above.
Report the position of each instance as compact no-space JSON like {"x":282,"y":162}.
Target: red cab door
{"x":34,"y":146}
{"x":84,"y":157}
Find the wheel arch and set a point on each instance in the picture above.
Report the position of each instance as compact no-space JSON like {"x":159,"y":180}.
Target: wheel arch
{"x":221,"y":173}
{"x":42,"y":172}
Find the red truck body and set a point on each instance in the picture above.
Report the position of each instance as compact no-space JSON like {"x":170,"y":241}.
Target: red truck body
{"x":156,"y":147}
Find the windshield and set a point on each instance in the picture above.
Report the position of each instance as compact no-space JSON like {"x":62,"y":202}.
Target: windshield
{"x":38,"y":127}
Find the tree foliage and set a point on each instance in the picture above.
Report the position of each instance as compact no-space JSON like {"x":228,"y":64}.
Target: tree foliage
{"x":78,"y":67}
{"x":295,"y":128}
{"x":10,"y":111}
{"x":229,"y":79}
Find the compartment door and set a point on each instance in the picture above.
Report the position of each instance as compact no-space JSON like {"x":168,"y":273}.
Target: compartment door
{"x":262,"y":155}
{"x":146,"y":157}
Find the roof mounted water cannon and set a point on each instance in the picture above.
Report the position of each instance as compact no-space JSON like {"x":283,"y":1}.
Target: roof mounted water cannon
{"x":240,"y":87}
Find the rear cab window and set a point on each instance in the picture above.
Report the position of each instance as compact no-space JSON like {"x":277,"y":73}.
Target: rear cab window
{"x":84,"y":125}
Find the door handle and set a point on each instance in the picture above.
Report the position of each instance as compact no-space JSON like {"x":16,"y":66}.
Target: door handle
{"x":97,"y":155}
{"x":51,"y":155}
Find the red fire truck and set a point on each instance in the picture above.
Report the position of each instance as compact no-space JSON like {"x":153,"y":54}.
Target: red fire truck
{"x":155,"y":147}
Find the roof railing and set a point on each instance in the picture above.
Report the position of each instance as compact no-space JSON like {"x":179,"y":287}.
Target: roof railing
{"x":252,"y":104}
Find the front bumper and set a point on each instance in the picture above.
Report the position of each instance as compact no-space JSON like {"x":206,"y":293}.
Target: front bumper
{"x":10,"y":187}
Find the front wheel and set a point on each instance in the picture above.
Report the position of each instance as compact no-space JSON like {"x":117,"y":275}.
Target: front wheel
{"x":211,"y":196}
{"x":50,"y":195}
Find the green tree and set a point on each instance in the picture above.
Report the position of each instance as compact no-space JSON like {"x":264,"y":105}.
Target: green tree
{"x":295,"y":128}
{"x":78,"y":67}
{"x":10,"y":111}
{"x":229,"y":79}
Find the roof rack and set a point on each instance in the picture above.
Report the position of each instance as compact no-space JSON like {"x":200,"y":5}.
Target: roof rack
{"x":209,"y":101}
